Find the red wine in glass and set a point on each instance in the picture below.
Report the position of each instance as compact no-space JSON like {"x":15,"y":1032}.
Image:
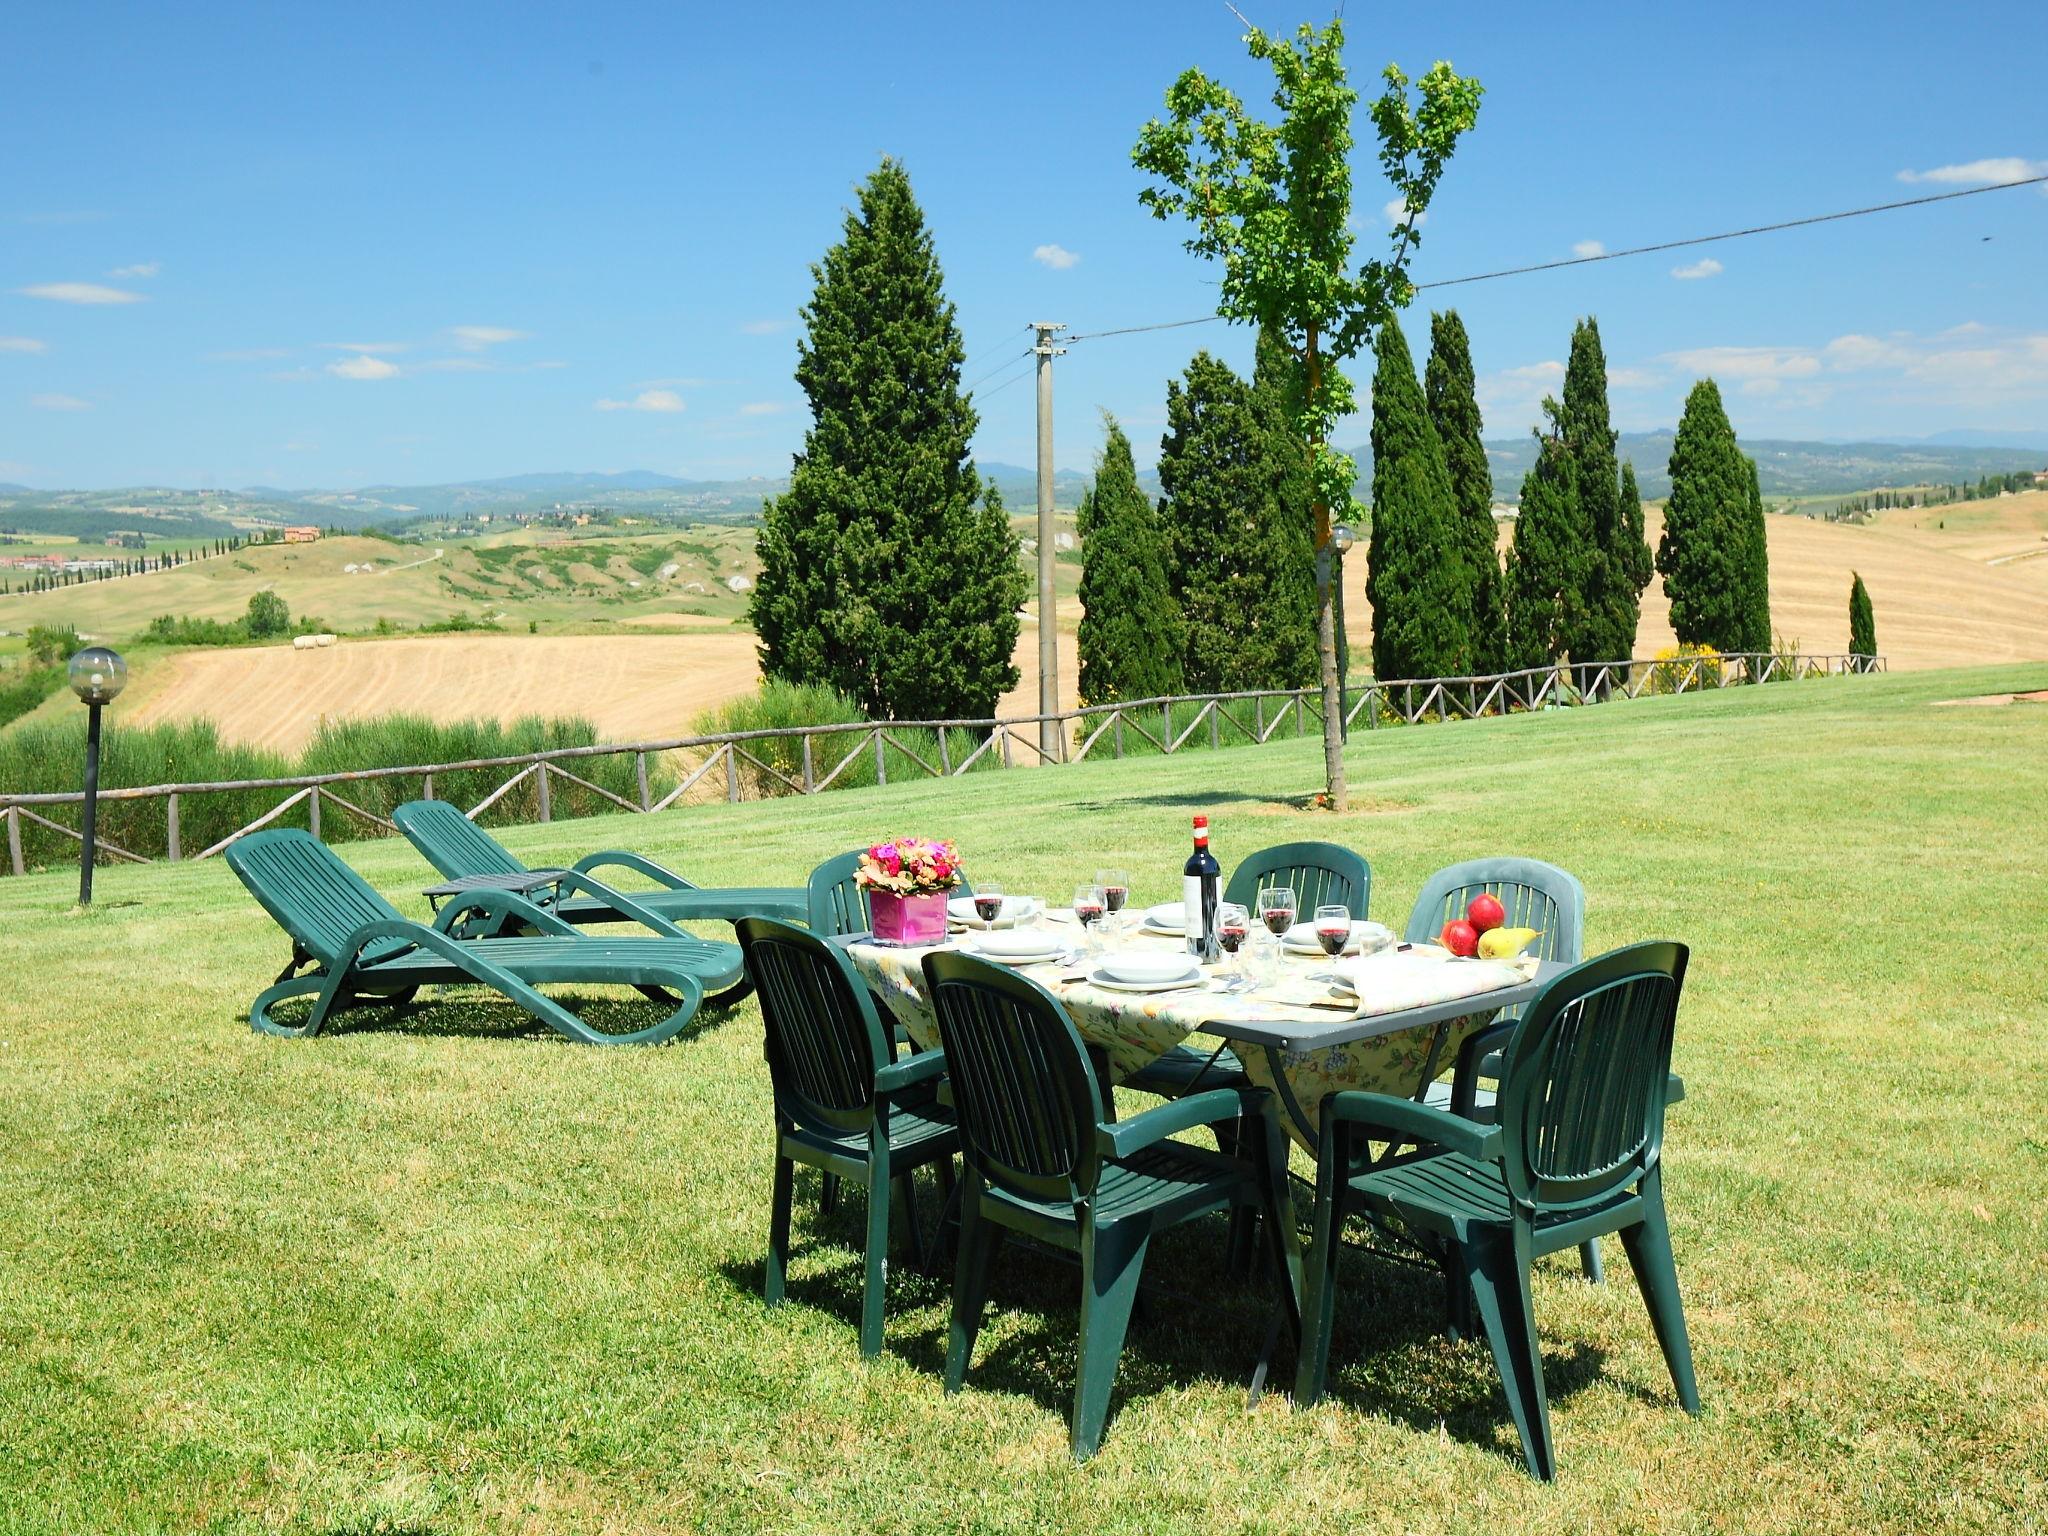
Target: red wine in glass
{"x":1089,"y":912}
{"x":1114,"y":896}
{"x":1278,"y":919}
{"x":988,"y":908}
{"x":1333,"y":938}
{"x":1232,"y":936}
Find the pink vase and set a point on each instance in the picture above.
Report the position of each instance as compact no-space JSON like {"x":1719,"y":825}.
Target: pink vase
{"x":907,"y":919}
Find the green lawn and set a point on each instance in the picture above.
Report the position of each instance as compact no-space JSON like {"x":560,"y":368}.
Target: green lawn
{"x":448,"y":1279}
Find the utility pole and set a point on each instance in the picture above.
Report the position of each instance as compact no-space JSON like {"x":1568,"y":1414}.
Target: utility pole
{"x":1051,"y":746}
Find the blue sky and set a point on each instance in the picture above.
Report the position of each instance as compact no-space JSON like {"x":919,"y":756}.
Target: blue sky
{"x":335,"y":245}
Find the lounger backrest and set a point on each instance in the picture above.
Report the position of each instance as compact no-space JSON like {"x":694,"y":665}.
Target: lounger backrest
{"x":314,"y":896}
{"x":451,"y":842}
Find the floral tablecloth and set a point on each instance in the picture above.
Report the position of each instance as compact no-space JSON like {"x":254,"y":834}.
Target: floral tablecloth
{"x":1135,"y":1029}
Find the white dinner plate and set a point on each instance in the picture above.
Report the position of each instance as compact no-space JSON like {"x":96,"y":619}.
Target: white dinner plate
{"x":1016,"y":909}
{"x":1013,"y":945}
{"x":1144,"y":965}
{"x":1301,"y":938}
{"x":1168,"y":917}
{"x":1190,"y":978}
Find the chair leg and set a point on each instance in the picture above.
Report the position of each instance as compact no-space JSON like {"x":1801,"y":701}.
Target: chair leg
{"x":1589,"y":1261}
{"x":875,"y":1282}
{"x":1112,"y":1259}
{"x":906,"y":1211}
{"x":979,"y":1239}
{"x":1498,"y":1269}
{"x":1276,"y":1210}
{"x":778,"y":1232}
{"x":1648,"y":1246}
{"x":1319,"y":1301}
{"x":828,"y":1194}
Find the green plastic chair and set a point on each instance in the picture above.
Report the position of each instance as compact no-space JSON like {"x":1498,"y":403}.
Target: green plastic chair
{"x":459,"y":848}
{"x":1041,"y":1157}
{"x":363,"y":951}
{"x":1578,"y":1152}
{"x":842,"y":1105}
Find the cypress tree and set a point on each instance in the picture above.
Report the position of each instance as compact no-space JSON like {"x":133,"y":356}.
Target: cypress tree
{"x":1633,"y":561}
{"x":889,"y":571}
{"x":1604,"y":629}
{"x":1239,"y":565}
{"x":1756,"y":570}
{"x":1417,"y":579}
{"x":1449,"y":386}
{"x":1704,"y":555}
{"x":1862,"y":619}
{"x":1130,"y":628}
{"x":1545,"y":586}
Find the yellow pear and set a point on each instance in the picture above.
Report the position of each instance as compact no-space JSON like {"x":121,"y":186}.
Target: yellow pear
{"x":1506,"y":943}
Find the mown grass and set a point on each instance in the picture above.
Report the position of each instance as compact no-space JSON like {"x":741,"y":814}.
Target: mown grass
{"x":429,"y":1279}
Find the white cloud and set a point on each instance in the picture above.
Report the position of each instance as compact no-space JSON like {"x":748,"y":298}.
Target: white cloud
{"x":1588,"y":248}
{"x":1512,"y":398}
{"x":1706,"y":266}
{"x":21,"y":344}
{"x":1748,"y":362}
{"x":764,"y":408}
{"x":475,"y":338}
{"x":139,"y":269}
{"x":362,"y":367}
{"x":1853,"y":353}
{"x":1397,"y":214}
{"x":59,"y":403}
{"x":1763,"y":386}
{"x":1631,"y":378}
{"x":1979,"y":173}
{"x":663,"y":401}
{"x":80,"y":293}
{"x":374,"y":348}
{"x":1058,"y":257}
{"x":765,"y":327}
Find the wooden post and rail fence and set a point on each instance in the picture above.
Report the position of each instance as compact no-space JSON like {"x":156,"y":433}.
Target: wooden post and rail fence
{"x":737,"y":759}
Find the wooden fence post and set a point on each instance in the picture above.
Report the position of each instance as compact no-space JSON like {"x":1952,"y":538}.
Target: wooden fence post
{"x":810,"y":769}
{"x":14,"y":839}
{"x":313,"y":811}
{"x":173,"y":849}
{"x":640,"y":777}
{"x":945,"y":753}
{"x":540,"y":779}
{"x":426,"y":786}
{"x":881,"y":759}
{"x":732,"y":776}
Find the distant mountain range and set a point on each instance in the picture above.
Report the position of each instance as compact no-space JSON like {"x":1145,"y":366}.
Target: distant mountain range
{"x":1786,"y":468}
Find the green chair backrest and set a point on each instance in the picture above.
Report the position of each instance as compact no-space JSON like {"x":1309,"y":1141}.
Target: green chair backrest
{"x":838,"y":905}
{"x":824,"y":1040}
{"x":1585,"y":1075}
{"x":1535,"y":895}
{"x":314,"y":896}
{"x":1023,"y":1092}
{"x":451,"y":842}
{"x":1318,"y":873}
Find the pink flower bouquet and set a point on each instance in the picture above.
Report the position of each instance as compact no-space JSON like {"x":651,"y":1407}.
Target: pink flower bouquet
{"x":909,"y":866}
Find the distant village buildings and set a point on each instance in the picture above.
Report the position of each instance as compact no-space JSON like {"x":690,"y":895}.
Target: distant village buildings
{"x":301,"y":535}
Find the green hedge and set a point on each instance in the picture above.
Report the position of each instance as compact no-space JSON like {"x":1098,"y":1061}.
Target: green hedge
{"x":24,"y":688}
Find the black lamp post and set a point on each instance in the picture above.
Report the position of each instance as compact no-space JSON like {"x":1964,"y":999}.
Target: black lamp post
{"x":97,"y":677}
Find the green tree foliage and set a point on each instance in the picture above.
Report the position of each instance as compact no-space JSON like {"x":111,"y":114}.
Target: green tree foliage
{"x":1450,"y":388}
{"x":1238,"y":558}
{"x":1130,"y":626}
{"x":1605,"y":627}
{"x":1635,"y":563}
{"x":49,"y":644}
{"x":1862,"y":619}
{"x":267,"y":616}
{"x":1705,"y":555}
{"x":1417,"y":578}
{"x":1756,"y":570}
{"x":1546,"y":564}
{"x":889,"y":571}
{"x":1272,"y":202}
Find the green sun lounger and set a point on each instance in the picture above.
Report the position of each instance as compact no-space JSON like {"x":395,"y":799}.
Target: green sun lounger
{"x":364,"y":952}
{"x":460,"y":850}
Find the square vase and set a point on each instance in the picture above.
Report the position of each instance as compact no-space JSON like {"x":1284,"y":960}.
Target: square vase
{"x":907,"y":919}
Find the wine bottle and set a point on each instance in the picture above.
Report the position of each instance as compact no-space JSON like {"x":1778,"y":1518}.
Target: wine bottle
{"x":1199,"y":896}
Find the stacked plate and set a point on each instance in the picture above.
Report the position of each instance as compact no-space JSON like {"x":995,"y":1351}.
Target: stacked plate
{"x":1145,"y":971}
{"x":1301,"y":939}
{"x":1014,"y":946}
{"x":1169,"y":917}
{"x":1016,"y":909}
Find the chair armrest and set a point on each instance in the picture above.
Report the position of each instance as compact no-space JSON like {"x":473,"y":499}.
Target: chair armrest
{"x":923,"y":1067}
{"x":622,"y":858}
{"x":500,"y":904}
{"x":1155,"y":1125}
{"x":1471,"y":1057}
{"x":619,"y":902}
{"x":1409,"y":1120}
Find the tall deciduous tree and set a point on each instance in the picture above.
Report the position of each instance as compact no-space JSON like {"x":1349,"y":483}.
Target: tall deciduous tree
{"x":1862,"y":619}
{"x":1237,"y":547}
{"x":888,"y":570}
{"x":1417,"y":578}
{"x":1129,"y":638}
{"x":1272,"y":202}
{"x":1705,"y":554}
{"x":1546,"y":563}
{"x":1450,"y":388}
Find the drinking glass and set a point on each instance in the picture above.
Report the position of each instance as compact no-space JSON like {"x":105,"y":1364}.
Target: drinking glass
{"x":1277,"y":909}
{"x":1333,"y":928}
{"x":988,"y":902}
{"x":1116,"y":891}
{"x":1233,"y":931}
{"x":1088,"y":910}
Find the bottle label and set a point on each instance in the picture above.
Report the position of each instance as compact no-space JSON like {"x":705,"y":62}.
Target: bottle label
{"x":1198,"y":904}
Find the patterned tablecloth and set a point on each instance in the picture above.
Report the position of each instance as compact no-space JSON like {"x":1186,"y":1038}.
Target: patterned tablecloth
{"x":1402,"y":1031}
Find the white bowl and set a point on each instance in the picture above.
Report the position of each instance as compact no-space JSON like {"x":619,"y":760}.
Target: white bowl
{"x":1168,"y":916}
{"x":1015,"y":944}
{"x":1016,"y":909}
{"x":1147,"y":967}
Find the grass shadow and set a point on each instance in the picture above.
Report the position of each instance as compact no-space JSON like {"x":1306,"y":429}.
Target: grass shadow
{"x":455,"y":1012}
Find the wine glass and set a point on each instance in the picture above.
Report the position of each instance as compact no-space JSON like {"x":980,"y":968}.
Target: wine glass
{"x":1116,"y":892}
{"x":1233,"y":929}
{"x":1277,"y":909}
{"x":1088,"y":909}
{"x":988,"y":902}
{"x":1333,"y":928}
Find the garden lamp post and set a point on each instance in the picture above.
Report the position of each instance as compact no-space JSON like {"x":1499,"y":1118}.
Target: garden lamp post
{"x":1342,"y":537}
{"x":97,"y":676}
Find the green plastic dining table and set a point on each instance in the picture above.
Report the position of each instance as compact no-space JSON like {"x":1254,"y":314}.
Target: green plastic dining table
{"x":1395,"y":1035}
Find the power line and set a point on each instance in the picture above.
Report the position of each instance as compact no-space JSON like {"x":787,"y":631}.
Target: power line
{"x":1638,"y":250}
{"x":1019,"y":379}
{"x":1009,"y":362}
{"x":989,"y":351}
